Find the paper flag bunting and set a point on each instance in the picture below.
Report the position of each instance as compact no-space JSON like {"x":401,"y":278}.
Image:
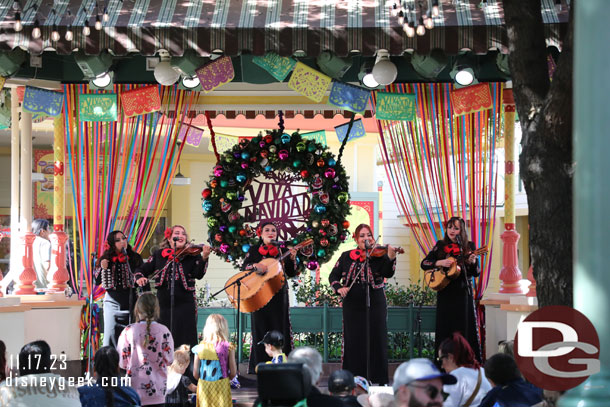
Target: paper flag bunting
{"x":193,"y":135}
{"x":318,"y":136}
{"x":223,"y":142}
{"x":2,"y":82}
{"x":36,"y":100}
{"x":279,"y":67}
{"x":395,"y":106}
{"x":357,"y":131}
{"x":309,"y":82}
{"x":471,"y":99}
{"x":215,"y":74}
{"x":141,"y":101}
{"x":101,"y":107}
{"x":349,"y":97}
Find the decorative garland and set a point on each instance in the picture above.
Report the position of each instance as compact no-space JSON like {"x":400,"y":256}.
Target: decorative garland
{"x":316,"y":166}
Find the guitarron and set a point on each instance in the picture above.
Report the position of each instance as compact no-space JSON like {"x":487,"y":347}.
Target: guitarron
{"x":438,"y":278}
{"x":256,"y":289}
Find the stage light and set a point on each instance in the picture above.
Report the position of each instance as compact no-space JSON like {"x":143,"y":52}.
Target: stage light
{"x":463,"y":71}
{"x":366,"y":75}
{"x":11,"y":61}
{"x":332,"y":65}
{"x":429,"y":66}
{"x":188,"y":63}
{"x":502,"y":63}
{"x":93,"y":66}
{"x":165,"y":74}
{"x":190,"y":82}
{"x":384,"y":71}
{"x":102,"y":81}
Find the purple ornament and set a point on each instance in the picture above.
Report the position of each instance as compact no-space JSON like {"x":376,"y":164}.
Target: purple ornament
{"x":312,"y":265}
{"x":218,"y":170}
{"x":244,"y":165}
{"x":223,"y":228}
{"x":283,"y":154}
{"x":329,"y":173}
{"x":237,"y":154}
{"x":262,"y":144}
{"x":224,"y":248}
{"x":241,"y":198}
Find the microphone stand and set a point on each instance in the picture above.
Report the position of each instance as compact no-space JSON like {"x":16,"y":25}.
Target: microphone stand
{"x":171,"y":293}
{"x":133,"y":282}
{"x":469,"y":293}
{"x":368,"y":312}
{"x":237,"y":282}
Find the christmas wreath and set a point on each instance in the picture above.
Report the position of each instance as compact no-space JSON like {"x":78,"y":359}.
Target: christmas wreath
{"x":276,"y":151}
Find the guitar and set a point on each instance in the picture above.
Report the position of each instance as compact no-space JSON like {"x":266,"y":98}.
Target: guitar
{"x":438,"y":278}
{"x":258,"y":289}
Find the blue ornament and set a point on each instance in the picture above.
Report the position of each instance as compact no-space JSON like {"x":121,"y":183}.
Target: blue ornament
{"x":321,"y":253}
{"x":296,"y":163}
{"x":224,"y":183}
{"x":232,"y":229}
{"x":319,"y":208}
{"x":332,"y":162}
{"x":245,"y":155}
{"x":245,"y":248}
{"x":285,"y":138}
{"x":268,"y":168}
{"x":207,"y":205}
{"x":241,"y":177}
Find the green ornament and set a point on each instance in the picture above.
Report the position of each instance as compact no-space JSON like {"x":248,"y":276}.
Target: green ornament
{"x":301,"y":146}
{"x":232,"y":229}
{"x":231,"y":195}
{"x":272,"y":149}
{"x":296,"y":163}
{"x":311,"y":147}
{"x":321,"y":253}
{"x":295,"y":242}
{"x":223,"y":183}
{"x":212,"y":222}
{"x":342,"y":197}
{"x":333,"y":239}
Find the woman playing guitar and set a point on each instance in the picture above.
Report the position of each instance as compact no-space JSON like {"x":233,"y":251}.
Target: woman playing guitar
{"x":454,"y":304}
{"x":275,"y":315}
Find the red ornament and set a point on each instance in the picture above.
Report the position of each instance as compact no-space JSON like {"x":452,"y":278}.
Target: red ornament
{"x":206,"y":193}
{"x":243,"y":232}
{"x":268,"y":138}
{"x":320,"y":162}
{"x":345,"y":224}
{"x":264,"y":153}
{"x":218,"y":237}
{"x":304,"y":174}
{"x":325,"y":223}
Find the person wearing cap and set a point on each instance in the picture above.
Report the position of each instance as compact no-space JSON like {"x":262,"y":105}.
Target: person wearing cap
{"x":362,"y":386}
{"x":275,"y":315}
{"x":273,"y":342}
{"x":418,"y":383}
{"x":341,"y":385}
{"x":312,"y":362}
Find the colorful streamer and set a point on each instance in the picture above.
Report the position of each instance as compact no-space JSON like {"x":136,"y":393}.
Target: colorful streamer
{"x":121,"y":174}
{"x":440,"y":165}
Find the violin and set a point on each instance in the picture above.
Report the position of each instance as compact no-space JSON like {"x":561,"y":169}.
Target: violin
{"x":382,"y":250}
{"x":191,"y":250}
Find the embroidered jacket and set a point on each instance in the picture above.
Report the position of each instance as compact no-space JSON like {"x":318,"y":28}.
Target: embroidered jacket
{"x":350,"y":267}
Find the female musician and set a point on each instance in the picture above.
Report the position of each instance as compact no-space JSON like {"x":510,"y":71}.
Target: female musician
{"x":454,"y":303}
{"x":117,"y":264}
{"x":350,"y":278}
{"x":275,"y":315}
{"x":170,"y":260}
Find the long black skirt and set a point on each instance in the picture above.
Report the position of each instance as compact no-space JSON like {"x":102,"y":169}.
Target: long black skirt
{"x":354,"y":333}
{"x":273,"y":316}
{"x":184,"y":324}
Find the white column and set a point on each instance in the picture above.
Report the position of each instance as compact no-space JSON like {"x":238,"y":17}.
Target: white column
{"x":25,"y":219}
{"x":16,"y":254}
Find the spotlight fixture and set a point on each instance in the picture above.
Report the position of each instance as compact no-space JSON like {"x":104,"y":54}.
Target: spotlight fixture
{"x":86,"y":29}
{"x":332,"y":65}
{"x":165,"y":74}
{"x":190,"y":82}
{"x":36,"y":33}
{"x":93,"y":66}
{"x":502,"y":63}
{"x":18,"y":26}
{"x":384,"y":71}
{"x":188,"y":63}
{"x":11,"y":61}
{"x":429,"y":66}
{"x":463,"y":72}
{"x":102,"y":81}
{"x":366,"y":75}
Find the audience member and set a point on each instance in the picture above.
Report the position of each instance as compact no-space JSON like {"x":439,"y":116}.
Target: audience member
{"x":341,"y":385}
{"x":457,"y":357}
{"x":362,"y":386}
{"x":107,"y":390}
{"x":147,"y":349}
{"x":419,"y":383}
{"x":273,"y":342}
{"x":178,"y":384}
{"x":507,"y":347}
{"x":510,"y":390}
{"x":377,"y":400}
{"x":41,"y":251}
{"x":312,"y":361}
{"x":37,"y":385}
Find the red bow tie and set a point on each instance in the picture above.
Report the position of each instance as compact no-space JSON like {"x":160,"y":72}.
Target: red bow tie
{"x":268,"y":250}
{"x":357,"y":255}
{"x":168,"y":253}
{"x":452,"y":249}
{"x":119,"y":258}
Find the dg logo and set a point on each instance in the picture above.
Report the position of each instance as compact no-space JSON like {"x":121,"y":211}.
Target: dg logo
{"x":557,"y":348}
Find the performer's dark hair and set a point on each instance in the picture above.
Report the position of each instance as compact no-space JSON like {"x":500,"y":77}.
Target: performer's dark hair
{"x":261,"y":225}
{"x":462,"y":353}
{"x":106,"y":364}
{"x":35,"y":357}
{"x":463,"y":232}
{"x":2,"y":361}
{"x":111,"y":251}
{"x":359,"y":228}
{"x":502,"y":369}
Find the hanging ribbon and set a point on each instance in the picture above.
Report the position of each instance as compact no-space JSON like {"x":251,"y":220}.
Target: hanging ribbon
{"x":349,"y":128}
{"x":212,"y":136}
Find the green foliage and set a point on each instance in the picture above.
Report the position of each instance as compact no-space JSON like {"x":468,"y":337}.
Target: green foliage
{"x":403,"y":296}
{"x":313,"y":294}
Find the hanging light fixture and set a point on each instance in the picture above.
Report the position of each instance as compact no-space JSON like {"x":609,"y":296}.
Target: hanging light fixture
{"x":366,"y":75}
{"x":407,"y":15}
{"x":69,"y":34}
{"x":86,"y":29}
{"x":105,"y":17}
{"x":435,"y":9}
{"x":18,"y":26}
{"x":409,"y":29}
{"x":180,"y":179}
{"x":420,"y":30}
{"x":36,"y":33}
{"x":55,"y":34}
{"x":384,"y":71}
{"x":98,"y":23}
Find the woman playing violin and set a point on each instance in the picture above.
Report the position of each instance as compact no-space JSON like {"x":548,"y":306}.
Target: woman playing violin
{"x":115,"y":275}
{"x":175,"y":258}
{"x":275,"y":315}
{"x":350,"y":278}
{"x":454,"y":303}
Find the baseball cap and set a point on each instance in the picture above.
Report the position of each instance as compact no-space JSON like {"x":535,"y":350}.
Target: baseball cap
{"x":419,"y":369}
{"x":362,"y":382}
{"x":274,"y":338}
{"x":340,"y":381}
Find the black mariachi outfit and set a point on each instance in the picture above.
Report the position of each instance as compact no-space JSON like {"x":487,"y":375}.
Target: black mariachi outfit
{"x":119,"y":285}
{"x":350,"y":267}
{"x":276,"y":314}
{"x":187,"y":269}
{"x":454,"y":303}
